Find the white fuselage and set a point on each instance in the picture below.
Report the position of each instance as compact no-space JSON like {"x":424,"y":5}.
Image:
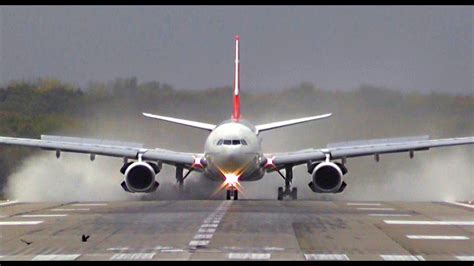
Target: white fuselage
{"x":234,"y":148}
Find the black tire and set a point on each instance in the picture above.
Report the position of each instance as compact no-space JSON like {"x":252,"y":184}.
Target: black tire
{"x":236,"y":194}
{"x":228,"y":195}
{"x":280,"y":193}
{"x":294,"y":193}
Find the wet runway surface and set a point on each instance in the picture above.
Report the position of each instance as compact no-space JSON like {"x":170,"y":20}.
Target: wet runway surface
{"x":237,"y":230}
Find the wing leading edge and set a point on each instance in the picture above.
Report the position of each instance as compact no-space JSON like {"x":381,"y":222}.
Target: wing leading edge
{"x":348,"y":151}
{"x":100,"y":147}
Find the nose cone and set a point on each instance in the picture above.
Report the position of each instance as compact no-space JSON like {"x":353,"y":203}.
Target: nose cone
{"x":233,"y":161}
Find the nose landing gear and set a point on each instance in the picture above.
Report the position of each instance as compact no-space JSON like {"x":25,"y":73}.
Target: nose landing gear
{"x":232,"y":193}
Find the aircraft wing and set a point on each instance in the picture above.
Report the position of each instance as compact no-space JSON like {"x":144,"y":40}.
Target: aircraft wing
{"x":102,"y":147}
{"x":365,"y":148}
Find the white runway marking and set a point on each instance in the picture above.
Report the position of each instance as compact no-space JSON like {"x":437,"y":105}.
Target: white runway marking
{"x":273,"y":248}
{"x":118,"y":248}
{"x":89,"y":204}
{"x":42,"y":215}
{"x":438,"y":237}
{"x":249,"y":256}
{"x":20,"y":222}
{"x":402,"y":257}
{"x":75,"y":209}
{"x":408,"y":222}
{"x":209,"y":225}
{"x":465,"y":258}
{"x":326,"y":257}
{"x":461,"y":204}
{"x":363,"y":204}
{"x":376,"y":209}
{"x":198,"y":243}
{"x":8,"y":202}
{"x":388,"y":214}
{"x":133,"y":256}
{"x":203,"y":236}
{"x":172,"y":250}
{"x":206,"y":230}
{"x":57,"y":257}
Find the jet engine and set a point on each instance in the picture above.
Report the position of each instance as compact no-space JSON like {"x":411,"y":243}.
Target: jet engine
{"x":140,"y":176}
{"x":327,"y":177}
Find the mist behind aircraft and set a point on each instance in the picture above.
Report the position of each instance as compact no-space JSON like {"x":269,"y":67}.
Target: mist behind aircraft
{"x":440,"y":174}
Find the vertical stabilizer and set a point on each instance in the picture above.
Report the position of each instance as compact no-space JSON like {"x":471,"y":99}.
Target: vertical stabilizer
{"x":236,"y":112}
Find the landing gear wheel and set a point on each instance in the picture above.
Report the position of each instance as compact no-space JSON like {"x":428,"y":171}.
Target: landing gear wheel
{"x":236,"y":194}
{"x":280,"y":193}
{"x":294,"y":193}
{"x":228,"y":195}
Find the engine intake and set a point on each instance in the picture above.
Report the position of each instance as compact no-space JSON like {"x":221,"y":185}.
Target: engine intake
{"x":328,"y":177}
{"x":140,"y":176}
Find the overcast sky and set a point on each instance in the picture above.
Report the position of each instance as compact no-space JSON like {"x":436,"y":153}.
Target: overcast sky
{"x":406,"y":48}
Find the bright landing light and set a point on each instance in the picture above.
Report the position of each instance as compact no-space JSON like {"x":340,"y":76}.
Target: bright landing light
{"x":231,"y":179}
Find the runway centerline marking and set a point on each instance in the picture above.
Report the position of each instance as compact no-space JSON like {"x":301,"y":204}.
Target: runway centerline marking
{"x":208,"y":228}
{"x":363,"y":204}
{"x":203,"y":236}
{"x":21,"y":222}
{"x":432,"y":237}
{"x":414,"y":222}
{"x":326,"y":257}
{"x":57,"y":257}
{"x":465,"y":258}
{"x":209,"y":225}
{"x":198,"y":243}
{"x":43,"y":215}
{"x":75,"y":209}
{"x":402,"y":257}
{"x":249,"y":256}
{"x":132,"y":256}
{"x":461,"y":204}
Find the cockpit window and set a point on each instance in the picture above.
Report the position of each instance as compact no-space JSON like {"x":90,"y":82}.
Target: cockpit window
{"x":231,"y":142}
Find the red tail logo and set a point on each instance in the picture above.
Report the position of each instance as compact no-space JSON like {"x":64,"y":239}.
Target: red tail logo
{"x":236,"y":113}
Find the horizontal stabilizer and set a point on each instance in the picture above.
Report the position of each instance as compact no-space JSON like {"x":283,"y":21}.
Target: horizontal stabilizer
{"x":290,"y":122}
{"x":188,"y":123}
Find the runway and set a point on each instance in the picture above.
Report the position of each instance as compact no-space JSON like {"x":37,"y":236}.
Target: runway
{"x":237,"y":230}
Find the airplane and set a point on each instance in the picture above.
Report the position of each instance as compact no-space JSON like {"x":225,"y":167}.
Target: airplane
{"x":233,"y":153}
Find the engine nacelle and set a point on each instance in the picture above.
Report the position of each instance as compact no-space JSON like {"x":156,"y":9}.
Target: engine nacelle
{"x":140,"y":176}
{"x":328,"y":177}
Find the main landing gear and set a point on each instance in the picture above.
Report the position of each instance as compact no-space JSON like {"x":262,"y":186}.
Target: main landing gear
{"x":232,"y":193}
{"x":288,"y":191}
{"x":180,"y":177}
